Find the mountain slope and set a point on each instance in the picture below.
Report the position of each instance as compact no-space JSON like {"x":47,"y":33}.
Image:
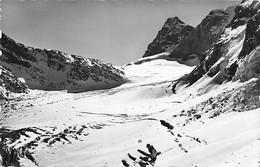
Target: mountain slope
{"x":56,"y":70}
{"x":210,"y":120}
{"x":44,"y":121}
{"x":186,"y":42}
{"x":114,"y":127}
{"x":10,"y":83}
{"x":236,"y":54}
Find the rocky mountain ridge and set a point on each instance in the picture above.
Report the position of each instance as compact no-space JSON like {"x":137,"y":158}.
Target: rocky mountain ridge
{"x":55,"y":70}
{"x":185,"y":42}
{"x":235,"y":56}
{"x":172,"y":33}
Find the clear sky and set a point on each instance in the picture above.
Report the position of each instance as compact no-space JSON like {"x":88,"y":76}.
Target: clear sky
{"x":116,"y":31}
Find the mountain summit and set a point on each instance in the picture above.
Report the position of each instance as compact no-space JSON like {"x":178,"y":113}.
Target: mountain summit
{"x":185,"y":42}
{"x":173,"y":21}
{"x":173,"y":32}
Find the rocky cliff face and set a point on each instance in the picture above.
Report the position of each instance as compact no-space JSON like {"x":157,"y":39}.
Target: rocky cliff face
{"x":235,"y":56}
{"x":186,"y":42}
{"x":173,"y":32}
{"x":10,"y":83}
{"x":56,"y":70}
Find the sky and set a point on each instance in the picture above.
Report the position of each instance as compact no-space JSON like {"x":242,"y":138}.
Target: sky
{"x":115,"y":31}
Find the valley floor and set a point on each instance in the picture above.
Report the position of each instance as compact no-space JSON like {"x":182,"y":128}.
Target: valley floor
{"x":203,"y":128}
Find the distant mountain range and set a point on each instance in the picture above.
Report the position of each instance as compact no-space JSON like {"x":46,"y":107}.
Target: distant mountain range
{"x":55,"y":70}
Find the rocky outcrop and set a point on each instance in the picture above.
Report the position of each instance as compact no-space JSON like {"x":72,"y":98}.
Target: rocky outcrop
{"x":252,"y":39}
{"x":249,"y":67}
{"x":10,"y":154}
{"x":10,"y":83}
{"x":21,"y":143}
{"x":186,"y":42}
{"x":209,"y":30}
{"x":235,"y":56}
{"x":171,"y":34}
{"x":55,"y":70}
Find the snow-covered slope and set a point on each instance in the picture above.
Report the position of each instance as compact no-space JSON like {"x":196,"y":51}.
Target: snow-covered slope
{"x":235,"y":56}
{"x":113,"y":127}
{"x":212,"y":119}
{"x":47,"y":121}
{"x":56,"y":70}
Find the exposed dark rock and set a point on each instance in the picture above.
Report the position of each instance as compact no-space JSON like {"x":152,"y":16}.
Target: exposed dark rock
{"x":211,"y":65}
{"x":182,"y":148}
{"x":125,"y":163}
{"x":252,"y":38}
{"x":10,"y":83}
{"x":172,"y":32}
{"x":244,"y":13}
{"x":16,"y":49}
{"x":166,"y":124}
{"x":231,"y":70}
{"x":153,"y":153}
{"x":131,"y":157}
{"x":209,"y":30}
{"x":142,"y":164}
{"x":197,"y":116}
{"x":11,"y":155}
{"x":146,"y":158}
{"x":186,"y":42}
{"x":144,"y":153}
{"x":56,"y":70}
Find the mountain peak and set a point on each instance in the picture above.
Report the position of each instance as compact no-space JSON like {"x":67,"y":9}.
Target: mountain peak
{"x":169,"y":36}
{"x":174,"y":20}
{"x":185,"y":42}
